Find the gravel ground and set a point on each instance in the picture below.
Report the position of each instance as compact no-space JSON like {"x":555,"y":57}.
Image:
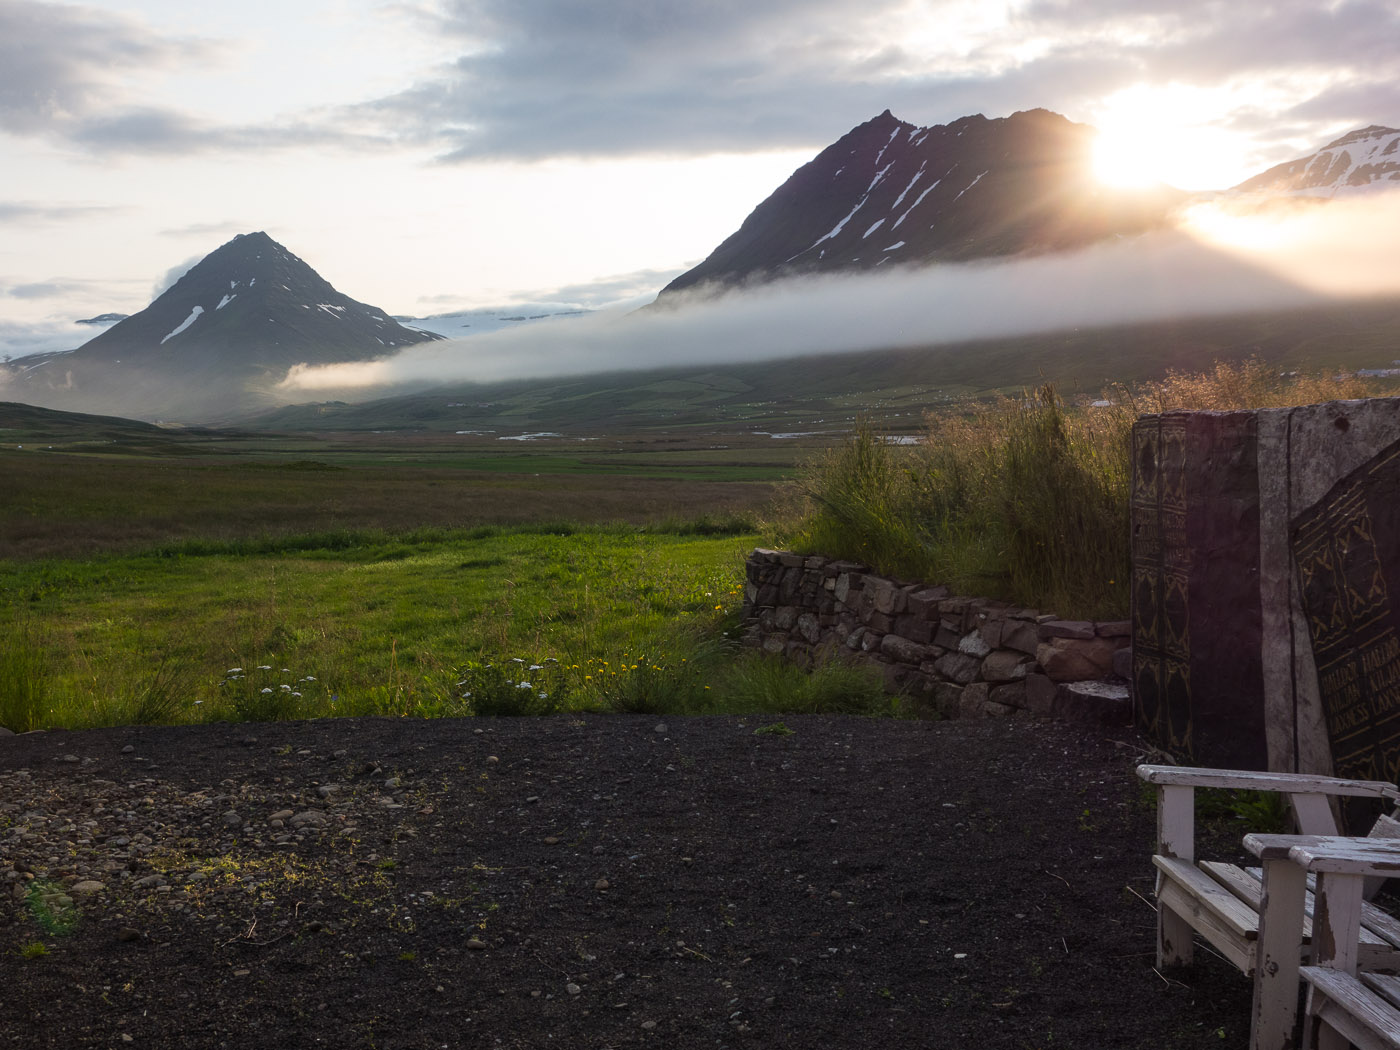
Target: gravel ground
{"x":588,"y":881}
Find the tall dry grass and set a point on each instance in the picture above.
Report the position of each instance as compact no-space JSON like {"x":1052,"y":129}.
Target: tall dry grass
{"x":1024,"y":499}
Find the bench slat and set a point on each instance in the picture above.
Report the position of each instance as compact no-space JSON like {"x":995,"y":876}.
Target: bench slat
{"x":1211,"y":910}
{"x":1378,"y":929}
{"x":1351,"y":1008}
{"x":1386,"y":985}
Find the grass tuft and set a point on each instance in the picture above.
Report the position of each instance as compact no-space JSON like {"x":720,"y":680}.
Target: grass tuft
{"x":1024,"y":499}
{"x":24,"y":677}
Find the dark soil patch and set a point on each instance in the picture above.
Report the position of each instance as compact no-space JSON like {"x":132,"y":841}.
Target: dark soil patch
{"x":854,"y":883}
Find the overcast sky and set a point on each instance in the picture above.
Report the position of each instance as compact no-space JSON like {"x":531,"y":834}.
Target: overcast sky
{"x":450,"y":153}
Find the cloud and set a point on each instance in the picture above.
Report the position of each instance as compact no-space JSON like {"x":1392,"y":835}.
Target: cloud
{"x":559,"y":78}
{"x":18,"y":339}
{"x":208,"y":229}
{"x":41,"y":289}
{"x":167,"y":280}
{"x":74,"y":73}
{"x":155,"y":130}
{"x":61,"y":62}
{"x":34,"y":212}
{"x":1228,"y":263}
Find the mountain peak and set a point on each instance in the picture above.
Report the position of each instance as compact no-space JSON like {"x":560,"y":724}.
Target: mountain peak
{"x":1361,"y":161}
{"x":239,"y":318}
{"x":888,"y":193}
{"x":1375,"y":131}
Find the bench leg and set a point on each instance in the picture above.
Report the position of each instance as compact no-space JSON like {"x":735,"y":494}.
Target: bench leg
{"x":1174,"y":947}
{"x":1280,"y":947}
{"x":1176,"y":835}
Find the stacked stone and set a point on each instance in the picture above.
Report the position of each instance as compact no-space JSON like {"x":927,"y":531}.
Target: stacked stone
{"x":960,"y":657}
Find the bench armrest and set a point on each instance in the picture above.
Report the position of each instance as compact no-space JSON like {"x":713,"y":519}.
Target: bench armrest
{"x":1250,"y":780}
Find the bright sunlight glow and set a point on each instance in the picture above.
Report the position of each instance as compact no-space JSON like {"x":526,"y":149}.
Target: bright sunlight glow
{"x":1150,"y":135}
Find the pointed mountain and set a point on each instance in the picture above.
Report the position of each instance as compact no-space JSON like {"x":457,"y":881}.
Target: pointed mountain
{"x":890,"y":193}
{"x":250,"y":306}
{"x":1360,"y":161}
{"x":233,"y":324}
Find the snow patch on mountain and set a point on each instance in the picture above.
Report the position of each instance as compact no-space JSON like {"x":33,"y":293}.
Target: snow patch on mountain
{"x":191,"y":319}
{"x":1363,"y":161}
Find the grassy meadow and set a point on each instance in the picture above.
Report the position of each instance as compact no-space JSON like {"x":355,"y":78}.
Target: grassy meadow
{"x":256,"y":578}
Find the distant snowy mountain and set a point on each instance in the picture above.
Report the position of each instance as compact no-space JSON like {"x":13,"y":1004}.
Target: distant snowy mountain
{"x":235,"y":322}
{"x":1360,"y":161}
{"x":890,"y":193}
{"x":465,"y":323}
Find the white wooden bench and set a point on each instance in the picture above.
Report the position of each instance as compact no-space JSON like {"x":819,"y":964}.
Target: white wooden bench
{"x":1345,"y":1005}
{"x":1225,"y":903}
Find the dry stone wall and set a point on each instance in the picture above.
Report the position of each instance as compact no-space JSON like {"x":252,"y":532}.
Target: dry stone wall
{"x":958,"y":657}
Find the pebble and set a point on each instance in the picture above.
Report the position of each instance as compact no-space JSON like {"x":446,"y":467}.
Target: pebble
{"x":281,"y":814}
{"x":648,"y":1025}
{"x":126,"y":935}
{"x":327,"y":790}
{"x":660,"y":727}
{"x":476,"y":944}
{"x":551,"y":840}
{"x":232,"y":819}
{"x":601,"y":885}
{"x":572,"y":988}
{"x":392,"y":782}
{"x":87,"y":887}
{"x":128,"y":749}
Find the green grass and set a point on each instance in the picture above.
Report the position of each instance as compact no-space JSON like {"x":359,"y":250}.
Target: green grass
{"x":386,"y":625}
{"x":23,"y":675}
{"x":498,"y":622}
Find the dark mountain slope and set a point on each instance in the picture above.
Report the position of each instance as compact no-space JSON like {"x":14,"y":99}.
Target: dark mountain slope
{"x":890,"y":193}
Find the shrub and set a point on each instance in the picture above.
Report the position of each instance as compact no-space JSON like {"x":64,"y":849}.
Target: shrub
{"x":1020,"y":500}
{"x":762,"y":684}
{"x":513,"y":688}
{"x":264,"y":694}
